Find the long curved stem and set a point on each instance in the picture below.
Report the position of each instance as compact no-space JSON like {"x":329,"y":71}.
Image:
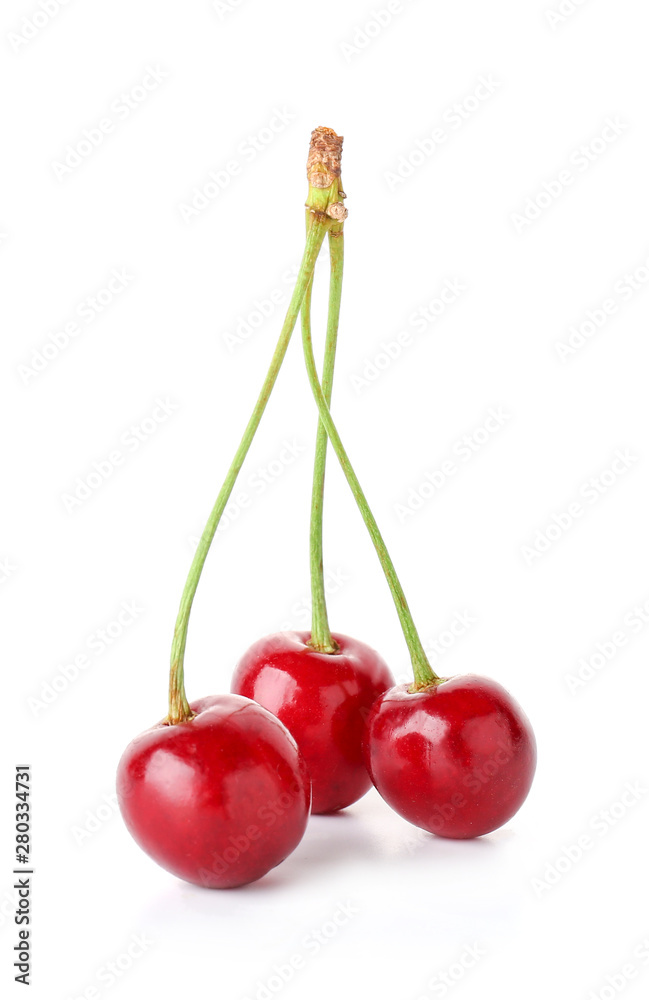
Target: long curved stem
{"x":423,"y":672}
{"x":179,"y":710}
{"x":321,"y":638}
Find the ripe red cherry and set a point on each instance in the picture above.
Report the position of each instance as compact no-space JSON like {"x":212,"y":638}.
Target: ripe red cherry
{"x":218,"y":800}
{"x":324,"y":700}
{"x":456,"y":759}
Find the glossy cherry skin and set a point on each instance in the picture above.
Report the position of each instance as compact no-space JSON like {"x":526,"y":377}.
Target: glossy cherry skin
{"x":218,"y":800}
{"x":456,"y":759}
{"x":324,"y":699}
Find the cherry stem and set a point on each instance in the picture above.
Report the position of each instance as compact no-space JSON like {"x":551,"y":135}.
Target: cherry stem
{"x":179,"y":710}
{"x":321,"y":639}
{"x":423,"y":672}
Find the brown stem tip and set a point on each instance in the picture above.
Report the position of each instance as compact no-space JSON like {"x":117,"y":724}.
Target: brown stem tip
{"x":323,"y":163}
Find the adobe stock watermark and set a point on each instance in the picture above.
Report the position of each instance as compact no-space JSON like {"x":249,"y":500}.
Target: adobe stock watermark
{"x":589,"y":493}
{"x":129,"y":443}
{"x":264,"y":307}
{"x":473,"y":784}
{"x":85,"y":313}
{"x":257,"y":483}
{"x":312,"y":944}
{"x":614,"y":983}
{"x":454,"y":118}
{"x":8,"y":902}
{"x":583,"y":331}
{"x":94,"y":646}
{"x":224,"y":7}
{"x":421,"y":320}
{"x":7,"y":569}
{"x":95,"y":819}
{"x":415,"y":838}
{"x":443,"y":642}
{"x":266,"y":815}
{"x":32,"y":24}
{"x":300,"y":611}
{"x":579,"y":161}
{"x":441,"y":982}
{"x":439,"y":645}
{"x":558,"y":15}
{"x":207,"y":191}
{"x":112,"y":972}
{"x":119,"y":111}
{"x":606,"y":650}
{"x":464,"y":449}
{"x":599,"y":826}
{"x":374,"y":24}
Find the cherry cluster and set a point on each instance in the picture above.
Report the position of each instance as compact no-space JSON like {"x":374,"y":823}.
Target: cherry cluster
{"x":220,"y":791}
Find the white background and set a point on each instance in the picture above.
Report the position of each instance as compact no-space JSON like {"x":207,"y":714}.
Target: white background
{"x":418,"y":902}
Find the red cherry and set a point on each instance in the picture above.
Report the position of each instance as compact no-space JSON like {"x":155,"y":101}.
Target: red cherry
{"x":324,"y":699}
{"x":218,"y":800}
{"x":456,"y":759}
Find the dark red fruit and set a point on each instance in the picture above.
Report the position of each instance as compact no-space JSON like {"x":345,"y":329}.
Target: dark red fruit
{"x":456,"y":759}
{"x":218,"y":800}
{"x":324,"y":699}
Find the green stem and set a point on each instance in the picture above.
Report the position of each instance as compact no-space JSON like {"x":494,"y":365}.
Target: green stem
{"x":321,"y":639}
{"x":179,"y":710}
{"x":423,"y":672}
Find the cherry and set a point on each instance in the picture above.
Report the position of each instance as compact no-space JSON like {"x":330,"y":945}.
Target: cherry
{"x":217,"y":800}
{"x":455,"y":758}
{"x":218,"y":792}
{"x":320,"y":685}
{"x":324,"y":700}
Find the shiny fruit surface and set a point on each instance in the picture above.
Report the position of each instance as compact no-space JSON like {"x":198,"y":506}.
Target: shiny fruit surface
{"x":324,"y":700}
{"x":456,"y":758}
{"x":218,"y":800}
